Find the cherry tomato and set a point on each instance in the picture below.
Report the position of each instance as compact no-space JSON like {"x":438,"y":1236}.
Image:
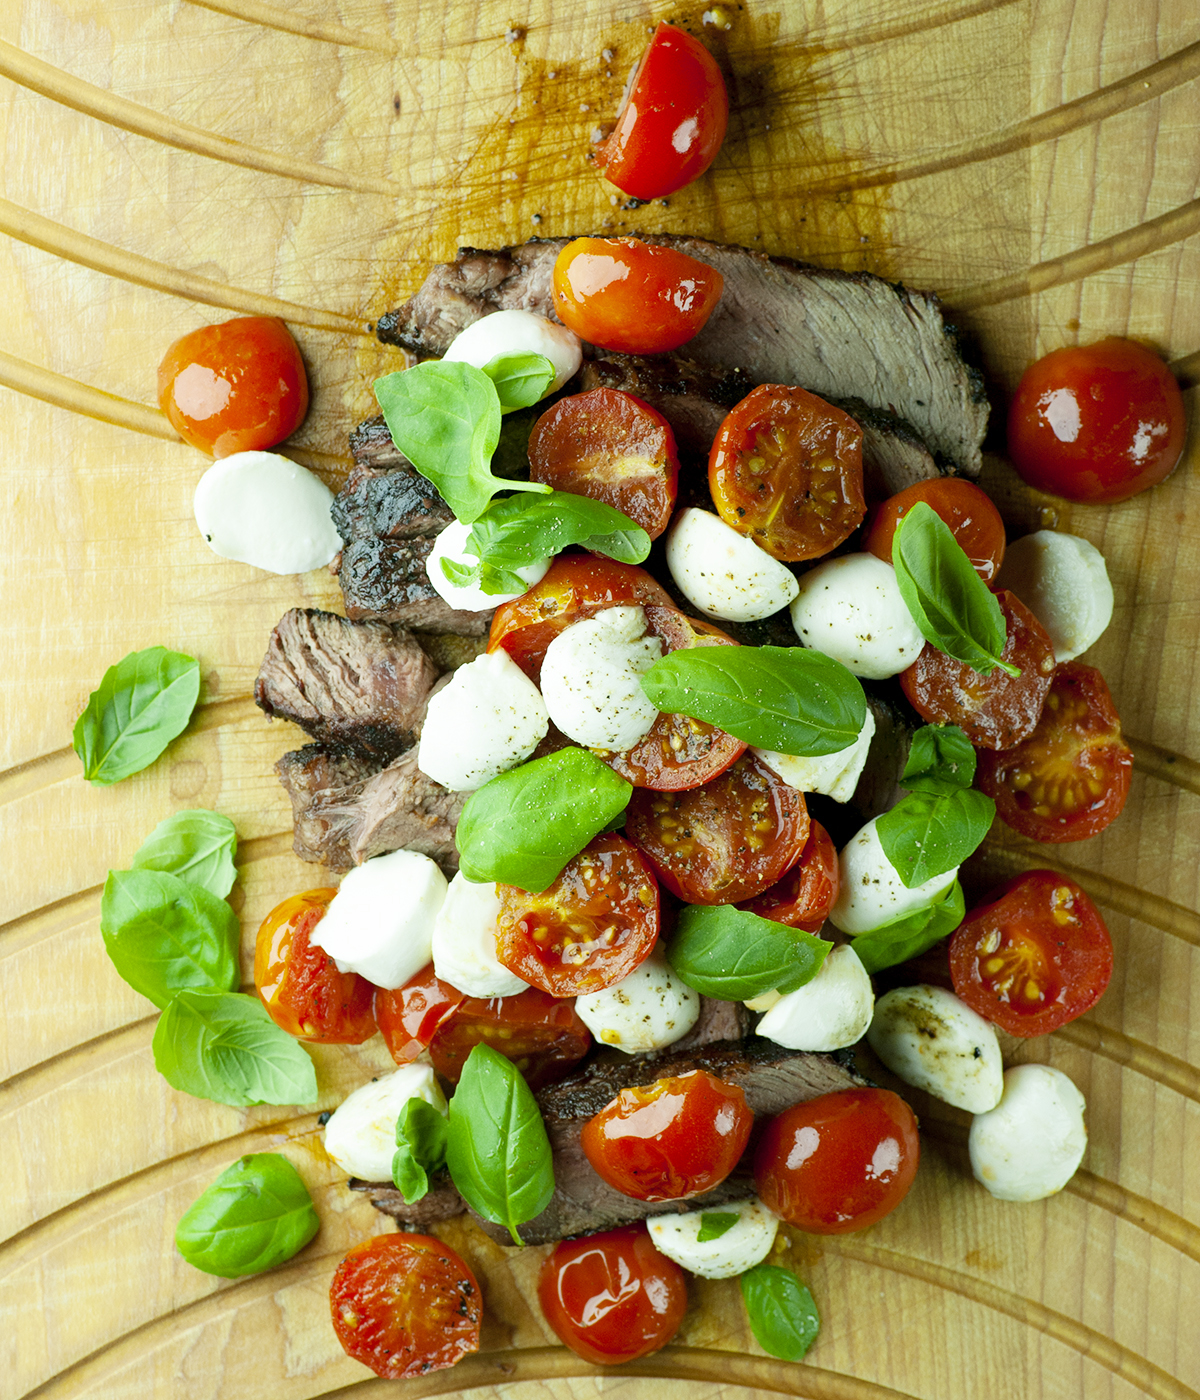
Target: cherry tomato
{"x":300,"y":984}
{"x":592,"y":927}
{"x":612,"y":1297}
{"x":1097,"y":422}
{"x":405,"y":1305}
{"x":839,"y":1162}
{"x":973,"y":520}
{"x":672,"y":1139}
{"x":638,"y":298}
{"x":809,"y":890}
{"x":996,"y":711}
{"x":1034,"y":956}
{"x":542,"y":1035}
{"x":234,"y":387}
{"x":725,"y":842}
{"x":786,"y":469}
{"x":610,"y":446}
{"x":409,"y":1015}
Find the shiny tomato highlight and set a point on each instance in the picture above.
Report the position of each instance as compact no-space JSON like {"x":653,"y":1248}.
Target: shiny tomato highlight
{"x":409,"y":1016}
{"x":542,"y":1035}
{"x":974,"y":521}
{"x":809,"y":890}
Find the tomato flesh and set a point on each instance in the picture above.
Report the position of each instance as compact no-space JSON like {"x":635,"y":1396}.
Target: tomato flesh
{"x":409,"y":1016}
{"x":974,"y":521}
{"x":809,"y":890}
{"x":542,"y":1035}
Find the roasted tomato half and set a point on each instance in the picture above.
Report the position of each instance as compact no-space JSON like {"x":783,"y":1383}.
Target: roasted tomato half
{"x":408,"y":1016}
{"x":809,"y":890}
{"x":541,"y":1034}
{"x":974,"y":521}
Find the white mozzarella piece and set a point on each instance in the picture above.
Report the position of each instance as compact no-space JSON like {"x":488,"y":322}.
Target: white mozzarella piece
{"x":519,"y":332}
{"x":464,"y":942}
{"x":470,"y":597}
{"x":591,"y":679}
{"x":834,"y":774}
{"x":723,"y":573}
{"x":851,"y":609}
{"x":261,"y":509}
{"x":871,"y":892}
{"x":380,"y":922}
{"x":828,"y":1013}
{"x":361,"y":1135}
{"x":488,"y":718}
{"x":1063,"y":581}
{"x":741,"y":1246}
{"x":934,"y":1041}
{"x":1031,"y":1143}
{"x":644,"y":1011}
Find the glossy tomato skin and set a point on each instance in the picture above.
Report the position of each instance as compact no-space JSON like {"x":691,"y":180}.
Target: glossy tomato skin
{"x":1033,"y":956}
{"x":405,"y":1305}
{"x":638,"y":298}
{"x":542,"y":1035}
{"x":974,"y":521}
{"x":808,"y":891}
{"x":612,"y":1297}
{"x":669,"y":1140}
{"x":234,"y":387}
{"x":408,"y":1016}
{"x":839,"y":1162}
{"x":1097,"y":422}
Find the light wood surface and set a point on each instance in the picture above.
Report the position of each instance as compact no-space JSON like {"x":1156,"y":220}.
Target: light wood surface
{"x":166,"y":164}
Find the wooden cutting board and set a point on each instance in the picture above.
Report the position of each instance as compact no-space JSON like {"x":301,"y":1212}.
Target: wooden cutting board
{"x":168,"y":164}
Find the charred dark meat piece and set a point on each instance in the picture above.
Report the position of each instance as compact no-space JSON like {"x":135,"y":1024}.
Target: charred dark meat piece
{"x":394,"y":502}
{"x":324,"y":784}
{"x":718,"y":1020}
{"x":440,"y":1202}
{"x":385,"y":578}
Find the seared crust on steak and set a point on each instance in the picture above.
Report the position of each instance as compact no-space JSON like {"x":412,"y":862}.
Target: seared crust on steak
{"x":440,"y":1202}
{"x":386,"y":579}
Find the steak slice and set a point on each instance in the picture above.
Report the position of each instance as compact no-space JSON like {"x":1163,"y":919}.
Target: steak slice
{"x":440,"y":1202}
{"x":323,"y":784}
{"x":384,"y":494}
{"x":718,"y":1020}
{"x":385,"y":578}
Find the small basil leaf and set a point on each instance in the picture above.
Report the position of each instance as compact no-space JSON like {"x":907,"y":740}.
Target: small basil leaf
{"x":420,"y":1148}
{"x":484,"y":575}
{"x":520,"y":529}
{"x":255,"y":1215}
{"x":140,"y":705}
{"x":715,"y":1223}
{"x":733,"y":955}
{"x":910,"y":936}
{"x":521,"y":378}
{"x":940,"y":759}
{"x":927,"y":833}
{"x":782,"y":1313}
{"x":196,"y":846}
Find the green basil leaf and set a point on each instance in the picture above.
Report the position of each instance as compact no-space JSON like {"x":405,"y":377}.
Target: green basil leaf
{"x":927,"y":833}
{"x":789,"y":699}
{"x":521,"y":378}
{"x":940,"y":759}
{"x":953,"y":608}
{"x":197,"y":846}
{"x":715,"y":1223}
{"x":910,"y":935}
{"x":733,"y":955}
{"x":782,"y":1313}
{"x":164,"y":935}
{"x":524,"y":826}
{"x":140,"y":705}
{"x":420,"y":1148}
{"x":223,"y":1046}
{"x":497,"y":1149}
{"x":489,"y":577}
{"x":255,"y":1215}
{"x":511,"y":457}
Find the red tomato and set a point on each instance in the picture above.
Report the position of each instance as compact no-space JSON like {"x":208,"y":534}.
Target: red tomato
{"x":638,"y":298}
{"x":612,"y":1297}
{"x":672,"y":120}
{"x":612,"y":447}
{"x":409,"y":1015}
{"x":839,"y":1162}
{"x":786,"y":469}
{"x":675,"y":1138}
{"x":725,"y":842}
{"x":1097,"y":422}
{"x":299,"y":983}
{"x":235,"y":387}
{"x":1034,"y":957}
{"x":405,"y":1305}
{"x":542,"y":1035}
{"x":973,"y":520}
{"x":809,"y":890}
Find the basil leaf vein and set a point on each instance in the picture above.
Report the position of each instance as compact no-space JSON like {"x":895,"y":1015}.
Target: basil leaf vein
{"x":733,"y":955}
{"x":913,"y":933}
{"x":420,"y":1148}
{"x":783,"y":1315}
{"x":140,"y":705}
{"x":715,"y":1223}
{"x":940,"y":759}
{"x":197,"y":846}
{"x":928,"y":833}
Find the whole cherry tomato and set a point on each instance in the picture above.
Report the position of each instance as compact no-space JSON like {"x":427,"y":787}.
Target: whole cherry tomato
{"x":234,"y":387}
{"x":612,"y":1297}
{"x":973,"y":520}
{"x":405,"y":1305}
{"x":300,"y":984}
{"x":408,"y":1016}
{"x":1097,"y":422}
{"x":1034,"y":956}
{"x":809,"y":890}
{"x":638,"y":298}
{"x":839,"y":1162}
{"x":542,"y":1035}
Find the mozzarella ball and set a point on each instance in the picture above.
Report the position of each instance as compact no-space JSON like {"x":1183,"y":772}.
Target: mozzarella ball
{"x":361,"y":1135}
{"x":723,"y":573}
{"x":591,"y":679}
{"x":871,"y":892}
{"x":644,"y":1011}
{"x":834,"y":774}
{"x":470,"y":597}
{"x":828,"y":1013}
{"x":741,"y":1246}
{"x":486,"y":719}
{"x":851,"y":609}
{"x":934,"y":1041}
{"x":519,"y":332}
{"x":1031,"y":1143}
{"x":1063,"y":581}
{"x":261,"y":509}
{"x":380,"y":922}
{"x":464,"y":942}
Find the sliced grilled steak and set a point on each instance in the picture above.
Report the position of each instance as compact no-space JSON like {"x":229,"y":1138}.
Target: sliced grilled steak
{"x":386,"y":579}
{"x":440,"y":1202}
{"x":324,"y":784}
{"x":392,"y":503}
{"x":718,"y":1020}
{"x":371,"y":445}
{"x":402,"y":809}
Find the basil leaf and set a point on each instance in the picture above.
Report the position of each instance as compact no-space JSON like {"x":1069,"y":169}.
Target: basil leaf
{"x":420,"y":1148}
{"x":715,"y":1223}
{"x":733,"y":955}
{"x":789,"y":699}
{"x":197,"y":846}
{"x":909,"y":936}
{"x":940,"y":759}
{"x":140,"y":705}
{"x":488,"y":576}
{"x":524,"y":826}
{"x":223,"y":1046}
{"x":782,"y":1313}
{"x":255,"y":1215}
{"x":927,"y":833}
{"x":163,"y":934}
{"x":497,"y":1149}
{"x":521,"y":378}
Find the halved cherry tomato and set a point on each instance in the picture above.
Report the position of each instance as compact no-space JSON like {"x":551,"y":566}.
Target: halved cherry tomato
{"x":839,"y":1162}
{"x":612,"y":1297}
{"x":809,"y":890}
{"x":672,"y":1139}
{"x":592,"y":927}
{"x":996,"y":711}
{"x":610,"y":446}
{"x":786,"y":469}
{"x":726,"y":841}
{"x":1097,"y":422}
{"x":1034,"y":956}
{"x":405,"y":1305}
{"x":300,"y":984}
{"x":974,"y":521}
{"x":234,"y":387}
{"x":542,"y":1035}
{"x":409,"y":1015}
{"x":638,"y":298}
{"x":672,"y":120}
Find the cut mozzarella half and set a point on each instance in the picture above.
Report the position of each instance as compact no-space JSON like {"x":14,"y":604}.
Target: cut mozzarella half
{"x":851,"y":609}
{"x":591,"y":679}
{"x":1063,"y":581}
{"x":871,"y":892}
{"x":1029,"y":1145}
{"x":519,"y":332}
{"x":723,"y":573}
{"x":464,"y":942}
{"x":834,"y":774}
{"x":828,"y":1013}
{"x":450,"y":544}
{"x":744,"y":1244}
{"x":935,"y":1042}
{"x":361,"y":1135}
{"x":644,"y":1011}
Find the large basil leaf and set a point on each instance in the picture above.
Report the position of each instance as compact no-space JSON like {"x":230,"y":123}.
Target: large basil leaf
{"x":940,"y":759}
{"x":140,"y":705}
{"x":910,"y":936}
{"x":782,"y":1313}
{"x":927,"y":833}
{"x":197,"y":846}
{"x":421,"y":1132}
{"x":733,"y":955}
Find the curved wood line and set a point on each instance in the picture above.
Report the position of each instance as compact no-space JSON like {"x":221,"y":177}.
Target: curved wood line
{"x":21,"y":1089}
{"x":37,"y":773}
{"x":50,"y":921}
{"x":936,"y":17}
{"x":273,"y":18}
{"x":1165,"y":764}
{"x":1146,"y":1060}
